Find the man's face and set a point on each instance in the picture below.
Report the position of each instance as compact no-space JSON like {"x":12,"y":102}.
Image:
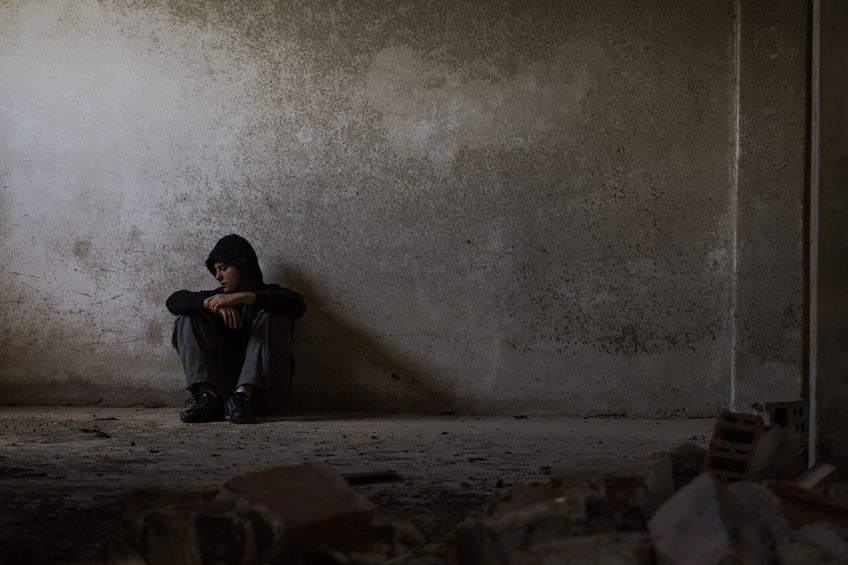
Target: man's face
{"x":229,"y":277}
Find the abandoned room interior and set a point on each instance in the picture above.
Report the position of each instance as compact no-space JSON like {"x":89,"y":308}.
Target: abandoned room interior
{"x":574,"y":276}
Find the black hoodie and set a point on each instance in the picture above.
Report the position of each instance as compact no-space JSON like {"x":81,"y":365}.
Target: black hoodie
{"x":236,"y":250}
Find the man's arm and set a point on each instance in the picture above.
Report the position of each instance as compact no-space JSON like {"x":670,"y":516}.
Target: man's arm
{"x":230,"y":299}
{"x":187,"y":301}
{"x":281,"y":300}
{"x":276,"y":300}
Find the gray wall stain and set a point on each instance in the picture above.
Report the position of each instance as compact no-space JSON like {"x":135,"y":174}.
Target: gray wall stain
{"x":506,"y":205}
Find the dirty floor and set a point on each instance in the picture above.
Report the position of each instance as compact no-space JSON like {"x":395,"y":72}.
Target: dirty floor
{"x":64,"y":471}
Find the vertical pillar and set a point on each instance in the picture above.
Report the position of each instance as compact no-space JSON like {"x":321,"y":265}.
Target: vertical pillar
{"x":832,"y":286}
{"x":769,"y":356}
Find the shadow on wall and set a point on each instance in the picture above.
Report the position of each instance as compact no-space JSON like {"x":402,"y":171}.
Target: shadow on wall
{"x":339,"y":366}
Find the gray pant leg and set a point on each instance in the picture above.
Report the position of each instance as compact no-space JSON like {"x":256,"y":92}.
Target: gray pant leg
{"x":205,"y":354}
{"x":267,"y":361}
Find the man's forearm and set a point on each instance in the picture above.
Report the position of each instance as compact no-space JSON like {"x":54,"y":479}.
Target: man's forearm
{"x":281,"y":300}
{"x":247,"y":297}
{"x":185,"y":301}
{"x":229,"y":299}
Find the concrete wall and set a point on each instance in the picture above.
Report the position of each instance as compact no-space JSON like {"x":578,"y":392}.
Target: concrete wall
{"x":490,"y":206}
{"x":832,"y":321}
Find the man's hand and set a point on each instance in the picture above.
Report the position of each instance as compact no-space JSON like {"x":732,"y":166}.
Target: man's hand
{"x":231,"y":316}
{"x":232,"y":299}
{"x":225,"y":306}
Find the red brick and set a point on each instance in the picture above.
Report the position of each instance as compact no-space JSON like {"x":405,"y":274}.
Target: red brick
{"x":804,"y":506}
{"x":787,"y":414}
{"x":314,"y":505}
{"x":743,"y":447}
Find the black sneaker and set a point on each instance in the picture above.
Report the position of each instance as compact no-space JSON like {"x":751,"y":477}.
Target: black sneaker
{"x":241,"y":409}
{"x":203,"y":408}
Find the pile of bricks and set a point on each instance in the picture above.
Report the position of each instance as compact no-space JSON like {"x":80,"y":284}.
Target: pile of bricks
{"x":768,"y":444}
{"x":753,"y":502}
{"x":268,"y":517}
{"x":750,"y":504}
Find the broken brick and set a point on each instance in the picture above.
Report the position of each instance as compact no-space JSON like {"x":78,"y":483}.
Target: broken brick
{"x":733,"y":445}
{"x":140,"y":501}
{"x":804,"y":506}
{"x":791,"y":414}
{"x":203,"y":532}
{"x":527,"y":518}
{"x":702,"y":523}
{"x":743,"y":447}
{"x":816,"y":543}
{"x":818,"y":477}
{"x":314,"y":505}
{"x":644,"y":483}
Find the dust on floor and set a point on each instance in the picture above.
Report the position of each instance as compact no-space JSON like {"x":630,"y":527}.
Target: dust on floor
{"x":64,"y":471}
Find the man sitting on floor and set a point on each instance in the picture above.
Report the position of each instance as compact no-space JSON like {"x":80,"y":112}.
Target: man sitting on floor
{"x":235,"y":341}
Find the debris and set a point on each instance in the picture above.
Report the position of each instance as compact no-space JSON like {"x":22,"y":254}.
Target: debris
{"x":400,"y":535}
{"x":821,"y":543}
{"x":311,"y":504}
{"x":744,"y":448}
{"x":837,"y":491}
{"x":735,"y":440}
{"x":763,"y":508}
{"x":140,"y":501}
{"x":188,"y":528}
{"x":610,"y":549}
{"x":804,"y":506}
{"x":831,"y":539}
{"x":528,"y":517}
{"x":371,"y":477}
{"x":644,"y":483}
{"x":817,"y":477}
{"x":204,"y":532}
{"x":687,"y":462}
{"x":702,"y":523}
{"x":786,"y":414}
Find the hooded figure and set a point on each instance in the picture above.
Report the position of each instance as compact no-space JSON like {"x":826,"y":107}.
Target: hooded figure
{"x":237,"y":251}
{"x":234,"y":341}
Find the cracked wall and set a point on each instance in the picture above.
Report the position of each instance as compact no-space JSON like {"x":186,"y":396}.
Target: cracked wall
{"x":490,"y":206}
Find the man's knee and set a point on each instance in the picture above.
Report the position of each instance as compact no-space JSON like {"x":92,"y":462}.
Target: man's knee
{"x":278,"y":325}
{"x":189,"y":324}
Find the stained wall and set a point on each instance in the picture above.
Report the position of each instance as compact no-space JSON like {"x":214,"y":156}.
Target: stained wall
{"x":505,"y":207}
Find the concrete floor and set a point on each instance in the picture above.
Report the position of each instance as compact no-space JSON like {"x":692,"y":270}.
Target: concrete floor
{"x":64,"y":471}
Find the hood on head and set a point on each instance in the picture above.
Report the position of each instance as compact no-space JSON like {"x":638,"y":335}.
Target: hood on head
{"x":236,"y":250}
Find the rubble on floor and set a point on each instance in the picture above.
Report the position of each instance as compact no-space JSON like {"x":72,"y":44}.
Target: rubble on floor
{"x":747,"y":499}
